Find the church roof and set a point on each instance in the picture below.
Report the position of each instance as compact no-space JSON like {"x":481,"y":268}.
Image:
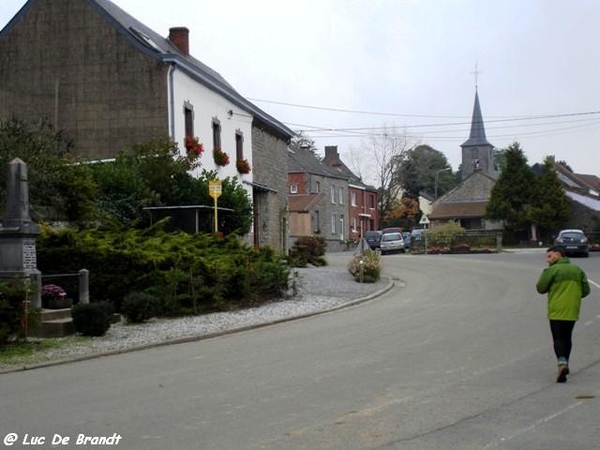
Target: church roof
{"x":462,"y":210}
{"x":477,"y":136}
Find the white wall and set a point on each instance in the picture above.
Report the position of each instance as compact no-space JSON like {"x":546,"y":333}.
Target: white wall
{"x":206,"y":106}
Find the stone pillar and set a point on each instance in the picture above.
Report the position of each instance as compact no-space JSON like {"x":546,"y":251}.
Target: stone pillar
{"x":18,"y":233}
{"x":84,"y":286}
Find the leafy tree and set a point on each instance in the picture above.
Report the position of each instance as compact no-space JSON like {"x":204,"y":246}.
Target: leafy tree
{"x":234,"y":197}
{"x":549,"y":208}
{"x":513,"y":192}
{"x":60,"y":186}
{"x":417,"y":173}
{"x":404,"y":213}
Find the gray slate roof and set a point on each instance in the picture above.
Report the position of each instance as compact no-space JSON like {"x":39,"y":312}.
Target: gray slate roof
{"x":477,"y":135}
{"x":303,"y":160}
{"x":153,"y":44}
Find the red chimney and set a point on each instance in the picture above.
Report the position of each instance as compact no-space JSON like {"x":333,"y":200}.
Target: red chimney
{"x":180,"y":37}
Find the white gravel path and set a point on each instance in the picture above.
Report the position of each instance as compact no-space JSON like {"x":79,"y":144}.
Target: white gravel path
{"x":318,"y":289}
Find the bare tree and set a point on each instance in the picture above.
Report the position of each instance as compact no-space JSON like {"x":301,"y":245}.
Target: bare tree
{"x":377,"y":160}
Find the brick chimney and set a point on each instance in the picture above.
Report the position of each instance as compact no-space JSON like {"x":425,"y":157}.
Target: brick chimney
{"x":180,"y":37}
{"x":332,"y":157}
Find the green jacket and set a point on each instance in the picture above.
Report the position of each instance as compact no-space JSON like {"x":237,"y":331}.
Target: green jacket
{"x":566,"y":284}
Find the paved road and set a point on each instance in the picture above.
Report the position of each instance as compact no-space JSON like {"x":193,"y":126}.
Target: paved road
{"x":458,"y":358}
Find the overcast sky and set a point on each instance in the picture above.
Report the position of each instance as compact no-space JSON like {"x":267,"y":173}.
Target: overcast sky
{"x":355,"y":66}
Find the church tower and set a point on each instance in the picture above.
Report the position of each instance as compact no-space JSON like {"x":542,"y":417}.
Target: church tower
{"x":477,"y":152}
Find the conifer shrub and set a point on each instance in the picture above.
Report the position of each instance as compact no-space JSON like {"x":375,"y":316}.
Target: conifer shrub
{"x":137,"y":307}
{"x":188,"y":273}
{"x":92,"y":319}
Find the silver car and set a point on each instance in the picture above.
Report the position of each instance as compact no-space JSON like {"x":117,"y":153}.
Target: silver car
{"x":391,"y":243}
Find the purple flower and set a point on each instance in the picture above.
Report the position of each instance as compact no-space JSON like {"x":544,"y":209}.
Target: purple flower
{"x":53,"y":290}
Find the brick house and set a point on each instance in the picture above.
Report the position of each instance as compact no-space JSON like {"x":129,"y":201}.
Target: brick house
{"x":111,"y":82}
{"x":363,"y":213}
{"x":327,"y":199}
{"x":318,"y":199}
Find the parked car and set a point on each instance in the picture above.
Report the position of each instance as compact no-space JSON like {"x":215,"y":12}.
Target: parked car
{"x":373,"y":238}
{"x":392,"y":230}
{"x":406,"y":237}
{"x":416,"y":234}
{"x":392,"y":243}
{"x":573,"y":241}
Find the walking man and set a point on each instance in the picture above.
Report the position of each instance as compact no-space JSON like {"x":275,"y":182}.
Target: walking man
{"x":566,"y":284}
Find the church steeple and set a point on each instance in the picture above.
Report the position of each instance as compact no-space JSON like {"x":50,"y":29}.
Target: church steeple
{"x":477,"y":136}
{"x":477,"y":152}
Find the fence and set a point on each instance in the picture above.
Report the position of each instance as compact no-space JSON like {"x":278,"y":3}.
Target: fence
{"x":84,"y":282}
{"x":458,"y":243}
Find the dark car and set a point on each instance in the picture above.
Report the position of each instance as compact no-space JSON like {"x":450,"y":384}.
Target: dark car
{"x":406,"y":237}
{"x":373,"y":238}
{"x":573,"y":241}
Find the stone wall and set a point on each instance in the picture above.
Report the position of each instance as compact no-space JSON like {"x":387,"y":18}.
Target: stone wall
{"x":270,"y":169}
{"x":63,"y":62}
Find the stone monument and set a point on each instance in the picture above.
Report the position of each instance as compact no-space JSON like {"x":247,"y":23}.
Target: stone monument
{"x":18,"y":233}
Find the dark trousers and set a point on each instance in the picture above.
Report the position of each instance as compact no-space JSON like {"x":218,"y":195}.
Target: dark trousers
{"x":562,"y":332}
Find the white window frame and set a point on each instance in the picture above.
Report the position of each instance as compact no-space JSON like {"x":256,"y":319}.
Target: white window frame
{"x":353,"y":198}
{"x":293,"y":188}
{"x":341,"y":195}
{"x":333,"y":224}
{"x":333,"y":195}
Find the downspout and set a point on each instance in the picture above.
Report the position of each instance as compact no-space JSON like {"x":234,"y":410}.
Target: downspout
{"x":171,"y":101}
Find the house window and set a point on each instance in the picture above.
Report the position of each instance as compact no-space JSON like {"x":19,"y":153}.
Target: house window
{"x":188,"y":117}
{"x":317,"y":224}
{"x":354,"y":224}
{"x":239,"y":145}
{"x":341,"y":196}
{"x":317,"y":187}
{"x":333,"y":223}
{"x":372,"y":201}
{"x":342,"y":227}
{"x":216,"y":129}
{"x":353,"y":198}
{"x":333,"y":194}
{"x":293,"y":188}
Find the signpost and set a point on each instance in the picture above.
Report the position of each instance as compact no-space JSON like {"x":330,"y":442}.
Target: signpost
{"x":215,"y":190}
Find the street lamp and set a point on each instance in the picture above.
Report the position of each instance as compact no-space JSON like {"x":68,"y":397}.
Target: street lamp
{"x":436,"y":179}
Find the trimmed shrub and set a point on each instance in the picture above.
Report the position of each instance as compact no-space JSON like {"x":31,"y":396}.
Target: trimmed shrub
{"x":308,"y":250}
{"x":371,"y":267}
{"x":92,"y":319}
{"x":137,"y":307}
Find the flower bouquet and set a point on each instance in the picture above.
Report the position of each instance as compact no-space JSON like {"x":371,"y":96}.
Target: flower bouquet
{"x":193,"y":146}
{"x":221,"y":158}
{"x":242,"y":165}
{"x":55,"y":297}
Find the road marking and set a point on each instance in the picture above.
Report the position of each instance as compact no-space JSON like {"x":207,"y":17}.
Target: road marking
{"x":594,"y":283}
{"x":522,"y":431}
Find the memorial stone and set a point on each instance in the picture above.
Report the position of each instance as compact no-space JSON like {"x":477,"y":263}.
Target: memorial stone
{"x":18,"y":233}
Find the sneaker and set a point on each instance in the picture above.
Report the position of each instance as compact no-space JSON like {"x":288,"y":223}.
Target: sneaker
{"x":563,"y":371}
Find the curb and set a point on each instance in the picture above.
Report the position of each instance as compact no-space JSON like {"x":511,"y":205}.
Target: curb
{"x":202,"y":337}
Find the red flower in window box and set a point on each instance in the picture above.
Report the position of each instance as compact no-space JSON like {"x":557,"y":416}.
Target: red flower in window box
{"x":193,"y":146}
{"x":221,"y":158}
{"x":242,"y":165}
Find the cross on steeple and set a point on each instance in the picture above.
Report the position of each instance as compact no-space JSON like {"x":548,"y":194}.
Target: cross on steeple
{"x":476,"y":72}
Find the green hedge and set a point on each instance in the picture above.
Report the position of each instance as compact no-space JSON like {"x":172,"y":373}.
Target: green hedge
{"x":189,"y":273}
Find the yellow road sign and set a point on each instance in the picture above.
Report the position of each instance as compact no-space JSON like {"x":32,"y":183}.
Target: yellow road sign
{"x":214,"y":188}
